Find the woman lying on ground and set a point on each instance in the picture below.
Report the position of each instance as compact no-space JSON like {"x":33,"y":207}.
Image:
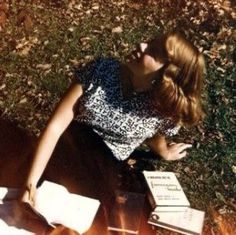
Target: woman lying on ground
{"x":146,"y":99}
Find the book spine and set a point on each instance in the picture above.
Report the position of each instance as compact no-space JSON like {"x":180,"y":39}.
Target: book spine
{"x":151,"y":199}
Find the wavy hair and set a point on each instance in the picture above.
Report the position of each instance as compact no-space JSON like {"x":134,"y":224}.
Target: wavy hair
{"x":178,"y":91}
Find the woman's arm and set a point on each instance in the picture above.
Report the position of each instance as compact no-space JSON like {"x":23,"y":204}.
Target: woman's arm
{"x":58,"y":122}
{"x":169,"y":152}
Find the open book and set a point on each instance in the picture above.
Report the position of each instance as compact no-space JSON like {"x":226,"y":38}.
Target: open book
{"x":56,"y":205}
{"x":165,"y":192}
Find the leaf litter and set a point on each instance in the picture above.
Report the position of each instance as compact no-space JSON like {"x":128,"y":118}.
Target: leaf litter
{"x":42,"y":42}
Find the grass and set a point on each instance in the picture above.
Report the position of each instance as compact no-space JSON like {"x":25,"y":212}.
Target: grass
{"x":68,"y":36}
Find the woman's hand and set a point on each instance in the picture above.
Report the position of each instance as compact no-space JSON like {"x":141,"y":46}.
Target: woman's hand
{"x":169,"y":152}
{"x":175,"y":151}
{"x":28,"y":195}
{"x":25,"y":200}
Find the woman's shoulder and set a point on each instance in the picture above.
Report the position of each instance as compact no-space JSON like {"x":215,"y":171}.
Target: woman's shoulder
{"x":100,"y":63}
{"x":97,"y":70}
{"x":106,"y":63}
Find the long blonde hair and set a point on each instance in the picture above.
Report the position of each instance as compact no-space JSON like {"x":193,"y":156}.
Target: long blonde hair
{"x":178,"y":91}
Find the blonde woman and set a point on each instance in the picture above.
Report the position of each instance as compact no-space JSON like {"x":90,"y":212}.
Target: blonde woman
{"x":146,"y":99}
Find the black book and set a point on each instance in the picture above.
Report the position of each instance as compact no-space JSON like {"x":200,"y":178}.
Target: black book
{"x":126,"y":212}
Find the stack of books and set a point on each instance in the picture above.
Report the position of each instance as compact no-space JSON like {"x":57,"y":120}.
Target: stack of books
{"x":171,"y":208}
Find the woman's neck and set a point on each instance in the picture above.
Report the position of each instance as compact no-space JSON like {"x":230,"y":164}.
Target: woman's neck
{"x":133,"y":83}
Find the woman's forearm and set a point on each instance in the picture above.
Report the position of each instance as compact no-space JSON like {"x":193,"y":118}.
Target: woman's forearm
{"x":59,"y":121}
{"x":44,"y":149}
{"x":158,"y":145}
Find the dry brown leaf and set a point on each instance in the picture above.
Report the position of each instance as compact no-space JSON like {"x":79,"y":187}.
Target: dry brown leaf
{"x":28,"y":23}
{"x":25,"y":51}
{"x":234,"y":169}
{"x":3,"y":18}
{"x":23,"y":101}
{"x":117,"y":30}
{"x":75,"y":62}
{"x":44,"y":66}
{"x":131,"y":162}
{"x":136,"y":6}
{"x":95,"y":7}
{"x":22,"y":13}
{"x":24,"y":17}
{"x":2,"y":87}
{"x":4,"y":7}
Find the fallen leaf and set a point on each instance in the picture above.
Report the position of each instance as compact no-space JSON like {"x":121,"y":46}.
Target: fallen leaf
{"x":234,"y":169}
{"x":25,"y":51}
{"x":24,"y":17}
{"x":3,"y":18}
{"x":44,"y":66}
{"x":2,"y":87}
{"x":74,"y":62}
{"x":131,"y":162}
{"x":95,"y":7}
{"x":23,"y":101}
{"x":28,"y":23}
{"x":4,"y":7}
{"x":117,"y":30}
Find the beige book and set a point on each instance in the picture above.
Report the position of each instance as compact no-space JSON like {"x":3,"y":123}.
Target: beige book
{"x":189,"y":222}
{"x":165,"y":191}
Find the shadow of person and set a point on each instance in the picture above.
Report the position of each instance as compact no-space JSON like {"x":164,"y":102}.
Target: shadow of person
{"x":27,"y":223}
{"x":81,"y":162}
{"x":71,"y":163}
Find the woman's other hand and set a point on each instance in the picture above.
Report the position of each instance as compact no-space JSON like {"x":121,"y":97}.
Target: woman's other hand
{"x":28,"y":195}
{"x":175,"y":151}
{"x":169,"y":152}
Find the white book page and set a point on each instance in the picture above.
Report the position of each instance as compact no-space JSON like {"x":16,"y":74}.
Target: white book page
{"x":189,"y":222}
{"x":50,"y":201}
{"x":79,"y":212}
{"x":59,"y":206}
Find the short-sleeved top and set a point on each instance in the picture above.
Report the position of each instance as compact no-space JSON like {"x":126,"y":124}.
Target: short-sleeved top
{"x":122,"y":123}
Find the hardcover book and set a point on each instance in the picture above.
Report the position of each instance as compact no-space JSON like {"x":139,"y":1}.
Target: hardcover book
{"x":189,"y":222}
{"x":125,"y":215}
{"x":55,"y":205}
{"x":165,"y":192}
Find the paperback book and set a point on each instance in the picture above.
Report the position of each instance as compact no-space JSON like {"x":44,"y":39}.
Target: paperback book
{"x":125,"y":215}
{"x":189,"y":222}
{"x":56,"y":205}
{"x":165,"y":192}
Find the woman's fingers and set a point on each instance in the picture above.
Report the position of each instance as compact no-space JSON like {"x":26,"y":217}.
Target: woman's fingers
{"x":172,"y":143}
{"x":177,"y":151}
{"x":183,"y":146}
{"x":28,"y":195}
{"x":182,"y":155}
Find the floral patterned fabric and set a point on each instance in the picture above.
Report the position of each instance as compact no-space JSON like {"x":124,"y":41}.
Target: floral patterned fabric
{"x":123,"y":124}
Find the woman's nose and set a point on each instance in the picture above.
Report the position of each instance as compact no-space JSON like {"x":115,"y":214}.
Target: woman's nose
{"x":143,"y":46}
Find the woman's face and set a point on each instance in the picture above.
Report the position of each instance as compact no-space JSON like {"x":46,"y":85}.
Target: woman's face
{"x":146,"y":60}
